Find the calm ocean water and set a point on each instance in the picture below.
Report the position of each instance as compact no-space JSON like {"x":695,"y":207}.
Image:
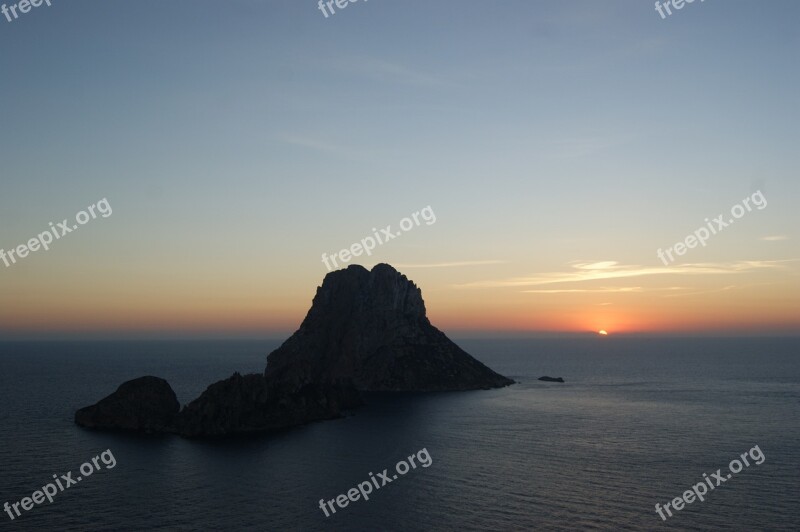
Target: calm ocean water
{"x":638,"y":422}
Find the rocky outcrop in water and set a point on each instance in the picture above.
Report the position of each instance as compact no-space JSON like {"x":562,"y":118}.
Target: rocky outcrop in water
{"x":365,"y":331}
{"x":551,"y":379}
{"x":253,"y":403}
{"x":146,"y":404}
{"x":237,"y":405}
{"x":371,"y":328}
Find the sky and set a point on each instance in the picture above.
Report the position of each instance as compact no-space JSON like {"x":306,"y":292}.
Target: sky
{"x":560,"y":144}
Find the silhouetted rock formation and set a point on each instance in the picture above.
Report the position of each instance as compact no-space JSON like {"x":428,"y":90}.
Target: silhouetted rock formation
{"x":237,"y":405}
{"x":146,"y":404}
{"x":365,"y":331}
{"x":370,"y":327}
{"x":551,"y":379}
{"x":252,"y":403}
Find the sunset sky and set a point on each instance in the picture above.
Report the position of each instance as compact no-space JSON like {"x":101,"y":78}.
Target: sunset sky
{"x":560,"y":144}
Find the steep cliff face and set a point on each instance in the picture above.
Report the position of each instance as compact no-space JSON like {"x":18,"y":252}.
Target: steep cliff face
{"x":371,"y":328}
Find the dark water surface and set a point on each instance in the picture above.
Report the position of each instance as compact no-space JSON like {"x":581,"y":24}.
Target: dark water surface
{"x":638,"y":422}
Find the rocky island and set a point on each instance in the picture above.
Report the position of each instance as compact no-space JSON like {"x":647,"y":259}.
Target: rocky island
{"x":366,"y":331}
{"x":551,"y":379}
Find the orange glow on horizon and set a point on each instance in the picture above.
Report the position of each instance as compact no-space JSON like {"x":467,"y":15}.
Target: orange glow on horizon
{"x":244,"y":304}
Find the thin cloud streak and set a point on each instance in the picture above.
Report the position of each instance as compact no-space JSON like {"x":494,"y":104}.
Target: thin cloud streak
{"x":381,"y":70}
{"x":321,"y":147}
{"x":585,"y":290}
{"x":451,"y":264}
{"x":613,"y":270}
{"x":723,"y":289}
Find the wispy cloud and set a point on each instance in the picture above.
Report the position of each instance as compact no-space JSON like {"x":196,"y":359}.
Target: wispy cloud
{"x":774,"y":238}
{"x":722,"y":289}
{"x":451,"y":264}
{"x":321,"y":146}
{"x":585,"y":290}
{"x":388,"y":72}
{"x":582,"y":146}
{"x":695,"y":293}
{"x":604,"y":290}
{"x":593,"y":271}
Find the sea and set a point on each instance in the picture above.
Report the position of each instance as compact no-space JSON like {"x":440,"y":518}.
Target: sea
{"x":637,"y":422}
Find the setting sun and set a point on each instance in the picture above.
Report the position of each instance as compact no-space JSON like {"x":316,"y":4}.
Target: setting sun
{"x":602,"y":332}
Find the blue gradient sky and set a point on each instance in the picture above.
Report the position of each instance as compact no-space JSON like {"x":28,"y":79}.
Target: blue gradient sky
{"x":238,"y":141}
